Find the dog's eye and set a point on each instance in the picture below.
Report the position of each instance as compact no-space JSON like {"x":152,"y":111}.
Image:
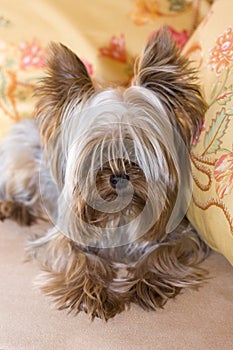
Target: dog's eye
{"x":105,"y":168}
{"x":134,"y":168}
{"x":134,"y":164}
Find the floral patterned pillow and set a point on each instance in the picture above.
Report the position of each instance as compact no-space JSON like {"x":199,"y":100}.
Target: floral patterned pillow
{"x":211,"y":209}
{"x":108,"y":47}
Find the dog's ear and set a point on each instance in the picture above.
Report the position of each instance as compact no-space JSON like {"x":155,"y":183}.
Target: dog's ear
{"x":67,"y":83}
{"x":163,"y":70}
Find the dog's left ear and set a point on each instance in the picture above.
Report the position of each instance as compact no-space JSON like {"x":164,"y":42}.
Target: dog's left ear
{"x":163,"y":70}
{"x":67,"y":83}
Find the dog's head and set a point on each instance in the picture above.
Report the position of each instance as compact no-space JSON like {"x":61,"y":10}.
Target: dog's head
{"x":120,"y":157}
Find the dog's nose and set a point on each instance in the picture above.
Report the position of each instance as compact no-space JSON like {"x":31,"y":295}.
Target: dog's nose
{"x":119,"y":181}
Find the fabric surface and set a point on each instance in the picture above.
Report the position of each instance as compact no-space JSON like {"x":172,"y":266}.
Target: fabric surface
{"x":106,"y":34}
{"x":211,"y":210}
{"x":194,"y":320}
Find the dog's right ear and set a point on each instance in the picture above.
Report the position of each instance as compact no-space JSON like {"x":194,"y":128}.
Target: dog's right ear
{"x":67,"y":83}
{"x":163,"y":70}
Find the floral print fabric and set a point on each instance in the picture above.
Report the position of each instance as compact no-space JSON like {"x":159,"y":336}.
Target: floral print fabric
{"x":106,"y":34}
{"x":21,"y":67}
{"x":221,"y":55}
{"x":211,"y":210}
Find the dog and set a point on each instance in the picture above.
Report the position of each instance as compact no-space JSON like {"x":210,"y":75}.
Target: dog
{"x":110,"y":168}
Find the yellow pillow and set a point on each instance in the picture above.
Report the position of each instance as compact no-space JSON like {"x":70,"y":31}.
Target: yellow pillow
{"x":211,"y":209}
{"x":106,"y":34}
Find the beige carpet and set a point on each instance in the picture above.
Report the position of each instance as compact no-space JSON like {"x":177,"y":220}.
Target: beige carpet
{"x":194,"y":320}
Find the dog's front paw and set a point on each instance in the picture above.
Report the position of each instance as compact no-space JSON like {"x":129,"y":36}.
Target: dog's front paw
{"x":103,"y":305}
{"x":17,"y":212}
{"x":79,"y":282}
{"x":6,"y":210}
{"x":81,"y":294}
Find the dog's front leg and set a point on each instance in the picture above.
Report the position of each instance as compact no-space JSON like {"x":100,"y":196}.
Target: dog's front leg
{"x":78,"y":281}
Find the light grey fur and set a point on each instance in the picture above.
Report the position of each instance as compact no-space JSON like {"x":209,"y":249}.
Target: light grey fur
{"x":25,"y":177}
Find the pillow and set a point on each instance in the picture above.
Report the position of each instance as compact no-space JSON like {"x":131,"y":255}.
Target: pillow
{"x":106,"y":34}
{"x":211,"y":209}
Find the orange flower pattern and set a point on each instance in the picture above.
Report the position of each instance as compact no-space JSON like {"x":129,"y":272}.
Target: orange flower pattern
{"x":116,"y":49}
{"x":32,"y":55}
{"x":145,"y":10}
{"x":221,"y":55}
{"x":223,"y":174}
{"x":21,"y":66}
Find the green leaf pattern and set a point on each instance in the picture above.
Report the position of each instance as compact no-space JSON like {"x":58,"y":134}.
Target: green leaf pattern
{"x":226,"y":95}
{"x":177,"y":5}
{"x":212,"y":141}
{"x":217,"y":129}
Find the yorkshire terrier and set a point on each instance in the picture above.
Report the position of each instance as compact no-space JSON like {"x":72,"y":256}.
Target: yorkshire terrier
{"x":113,"y":174}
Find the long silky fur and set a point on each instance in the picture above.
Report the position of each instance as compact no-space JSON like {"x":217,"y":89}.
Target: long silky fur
{"x":145,"y":131}
{"x":78,"y":280}
{"x":75,"y":280}
{"x":164,"y":271}
{"x":169,"y":75}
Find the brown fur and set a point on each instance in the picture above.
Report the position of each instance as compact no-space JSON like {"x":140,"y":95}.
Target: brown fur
{"x":85,"y":281}
{"x":80,"y":282}
{"x":155,"y":267}
{"x":168,"y":74}
{"x":67,"y":81}
{"x":17,"y":212}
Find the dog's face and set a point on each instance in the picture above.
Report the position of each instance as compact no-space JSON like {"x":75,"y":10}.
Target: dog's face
{"x":120,"y":157}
